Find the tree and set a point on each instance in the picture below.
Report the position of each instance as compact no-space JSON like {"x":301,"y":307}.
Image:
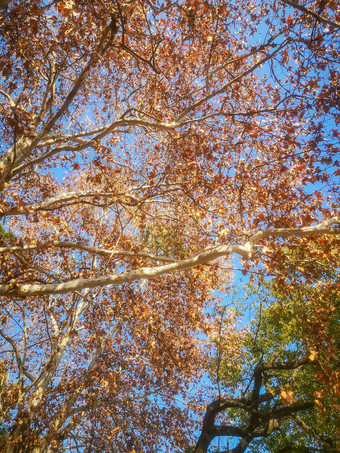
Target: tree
{"x":280,"y":391}
{"x":141,"y":148}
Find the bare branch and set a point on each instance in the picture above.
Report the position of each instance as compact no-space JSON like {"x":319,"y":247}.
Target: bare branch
{"x":316,"y":16}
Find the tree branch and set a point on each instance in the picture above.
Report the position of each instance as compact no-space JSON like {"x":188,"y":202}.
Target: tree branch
{"x":86,"y":248}
{"x":148,"y":273}
{"x":25,"y":146}
{"x":231,"y":82}
{"x":316,"y":16}
{"x":261,"y":422}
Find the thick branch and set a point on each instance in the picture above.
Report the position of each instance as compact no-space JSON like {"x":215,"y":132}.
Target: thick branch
{"x":72,"y":198}
{"x":259,"y":424}
{"x":125,"y":277}
{"x":321,"y":228}
{"x":148,"y":273}
{"x":25,"y":146}
{"x":290,"y":365}
{"x":59,"y":202}
{"x":285,"y":411}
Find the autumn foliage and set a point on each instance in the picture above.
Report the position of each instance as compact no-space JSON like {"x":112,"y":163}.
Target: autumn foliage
{"x":147,"y":148}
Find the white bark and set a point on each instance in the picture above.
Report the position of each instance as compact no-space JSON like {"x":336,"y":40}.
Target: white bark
{"x":147,"y":273}
{"x":110,"y":253}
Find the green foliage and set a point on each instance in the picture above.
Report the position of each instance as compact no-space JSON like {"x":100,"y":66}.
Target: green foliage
{"x":6,"y":236}
{"x":164,"y":241}
{"x":292,"y":317}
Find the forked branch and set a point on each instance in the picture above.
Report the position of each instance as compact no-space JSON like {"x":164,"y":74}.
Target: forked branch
{"x":258,"y":421}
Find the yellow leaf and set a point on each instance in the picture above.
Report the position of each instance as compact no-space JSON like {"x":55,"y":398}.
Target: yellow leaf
{"x":287,"y":396}
{"x":313,"y":355}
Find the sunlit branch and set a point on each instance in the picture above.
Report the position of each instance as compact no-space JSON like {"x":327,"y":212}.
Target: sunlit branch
{"x":41,"y":382}
{"x":25,"y":146}
{"x":53,"y":139}
{"x":61,"y":201}
{"x":102,"y":47}
{"x":49,"y":93}
{"x":230,"y":114}
{"x":204,"y":256}
{"x":71,"y":198}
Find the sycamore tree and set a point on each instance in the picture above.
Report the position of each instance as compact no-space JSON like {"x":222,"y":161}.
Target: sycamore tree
{"x":145,"y":143}
{"x":278,"y":377}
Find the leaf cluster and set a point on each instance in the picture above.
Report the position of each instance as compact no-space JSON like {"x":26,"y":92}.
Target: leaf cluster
{"x":292,"y":323}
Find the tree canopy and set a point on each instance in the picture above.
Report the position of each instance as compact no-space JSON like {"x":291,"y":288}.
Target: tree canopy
{"x":278,"y":388}
{"x":148,"y":148}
